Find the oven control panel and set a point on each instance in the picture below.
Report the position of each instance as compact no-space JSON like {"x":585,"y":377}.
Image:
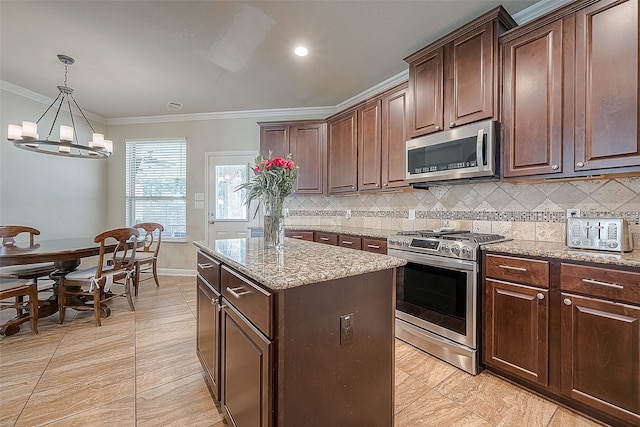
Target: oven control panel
{"x":446,"y":248}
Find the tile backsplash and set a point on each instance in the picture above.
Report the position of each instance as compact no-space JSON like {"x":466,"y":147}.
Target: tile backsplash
{"x":534,"y":211}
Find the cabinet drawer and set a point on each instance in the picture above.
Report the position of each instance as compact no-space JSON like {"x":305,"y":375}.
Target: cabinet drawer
{"x":520,"y":270}
{"x":250,"y":299}
{"x":602,"y":282}
{"x":328,"y":238}
{"x":375,"y":245}
{"x":209,"y":269}
{"x":350,"y":242}
{"x":302,"y":235}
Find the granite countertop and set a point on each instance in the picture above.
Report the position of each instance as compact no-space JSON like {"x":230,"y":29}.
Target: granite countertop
{"x":561,"y":251}
{"x":298,"y":263}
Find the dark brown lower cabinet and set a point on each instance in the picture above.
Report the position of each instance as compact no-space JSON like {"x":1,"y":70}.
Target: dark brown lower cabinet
{"x":601,"y":355}
{"x":517,"y":329}
{"x":247,"y":379}
{"x":208,"y":334}
{"x":573,"y":335}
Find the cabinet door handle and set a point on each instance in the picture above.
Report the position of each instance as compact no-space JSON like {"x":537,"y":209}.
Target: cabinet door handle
{"x":234,"y":292}
{"x":214,"y":301}
{"x":508,"y":267}
{"x":567,"y":301}
{"x":437,"y":127}
{"x":540,"y":295}
{"x":610,"y":285}
{"x":374,"y":246}
{"x":324,"y":238}
{"x":452,"y":124}
{"x":205,"y":266}
{"x":346,"y":242}
{"x":554,"y":167}
{"x":580,"y":164}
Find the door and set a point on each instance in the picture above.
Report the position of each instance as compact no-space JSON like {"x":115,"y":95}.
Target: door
{"x":227,"y":215}
{"x":208,"y":334}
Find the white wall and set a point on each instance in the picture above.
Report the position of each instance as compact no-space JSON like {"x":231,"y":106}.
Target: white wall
{"x":62,"y":197}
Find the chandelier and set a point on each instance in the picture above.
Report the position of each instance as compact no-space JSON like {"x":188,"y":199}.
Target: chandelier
{"x":26,"y":137}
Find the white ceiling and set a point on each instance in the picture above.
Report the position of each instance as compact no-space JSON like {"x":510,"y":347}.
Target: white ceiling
{"x":133,"y":57}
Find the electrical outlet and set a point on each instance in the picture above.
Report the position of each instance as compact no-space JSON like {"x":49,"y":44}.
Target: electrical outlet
{"x":573,"y":213}
{"x":346,"y":328}
{"x":412,"y":214}
{"x":348,"y":214}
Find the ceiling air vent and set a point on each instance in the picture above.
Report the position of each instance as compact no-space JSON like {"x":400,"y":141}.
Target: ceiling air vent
{"x":174,"y":106}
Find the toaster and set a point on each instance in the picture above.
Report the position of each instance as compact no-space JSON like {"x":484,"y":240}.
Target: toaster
{"x":604,"y":234}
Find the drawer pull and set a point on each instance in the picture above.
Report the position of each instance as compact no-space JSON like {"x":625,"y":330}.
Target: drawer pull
{"x":214,"y":301}
{"x":205,"y":266}
{"x":508,"y":267}
{"x":374,"y":246}
{"x":540,"y":295}
{"x":324,"y":238}
{"x":297,"y":236}
{"x":567,"y":301}
{"x":234,"y":292}
{"x":346,"y":242}
{"x":610,"y":285}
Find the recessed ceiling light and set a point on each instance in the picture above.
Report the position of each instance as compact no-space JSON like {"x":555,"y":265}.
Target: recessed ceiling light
{"x":301,"y":51}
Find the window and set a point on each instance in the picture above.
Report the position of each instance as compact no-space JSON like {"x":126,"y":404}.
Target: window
{"x":157,"y":185}
{"x":230,"y":204}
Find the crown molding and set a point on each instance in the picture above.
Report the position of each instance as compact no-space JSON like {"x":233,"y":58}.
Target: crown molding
{"x":374,"y":90}
{"x":34,"y":96}
{"x":288,"y":113}
{"x":538,"y":9}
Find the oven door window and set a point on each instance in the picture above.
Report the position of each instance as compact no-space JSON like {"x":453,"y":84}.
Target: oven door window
{"x":435,"y":295}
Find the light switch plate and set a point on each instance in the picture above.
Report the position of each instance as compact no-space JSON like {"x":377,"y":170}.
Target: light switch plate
{"x":199,"y":196}
{"x":199,"y":205}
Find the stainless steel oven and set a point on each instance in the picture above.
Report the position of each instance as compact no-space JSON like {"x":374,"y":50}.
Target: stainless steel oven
{"x":438,"y":294}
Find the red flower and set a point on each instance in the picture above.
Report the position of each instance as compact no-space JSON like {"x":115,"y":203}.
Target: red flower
{"x":279,"y":162}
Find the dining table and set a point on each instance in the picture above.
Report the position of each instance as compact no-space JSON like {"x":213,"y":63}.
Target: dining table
{"x":66,"y":254}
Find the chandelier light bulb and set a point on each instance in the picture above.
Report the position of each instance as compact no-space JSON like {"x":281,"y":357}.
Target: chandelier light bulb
{"x":66,"y":133}
{"x":14,"y":133}
{"x":29,"y":130}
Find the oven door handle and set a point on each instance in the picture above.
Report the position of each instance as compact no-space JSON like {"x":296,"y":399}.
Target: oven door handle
{"x":434,"y":261}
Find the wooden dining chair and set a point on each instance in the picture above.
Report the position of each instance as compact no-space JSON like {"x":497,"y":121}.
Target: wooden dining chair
{"x":147,"y":255}
{"x":12,"y":294}
{"x":30,"y":272}
{"x":90,"y":289}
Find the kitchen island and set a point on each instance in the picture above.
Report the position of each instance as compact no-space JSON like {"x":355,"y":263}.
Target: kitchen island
{"x":298,"y":336}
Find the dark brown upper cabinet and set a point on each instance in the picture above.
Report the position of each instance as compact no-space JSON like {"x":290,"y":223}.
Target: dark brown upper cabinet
{"x":570,"y":92}
{"x":305,"y":140}
{"x":342,"y":152}
{"x":454,"y":81}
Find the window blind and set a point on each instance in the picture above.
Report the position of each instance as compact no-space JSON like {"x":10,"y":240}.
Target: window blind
{"x":156,"y":188}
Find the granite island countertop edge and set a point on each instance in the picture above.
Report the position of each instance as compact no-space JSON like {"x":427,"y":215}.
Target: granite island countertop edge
{"x":299,"y":263}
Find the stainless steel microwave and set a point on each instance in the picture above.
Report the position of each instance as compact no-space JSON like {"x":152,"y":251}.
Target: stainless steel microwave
{"x":467,"y":152}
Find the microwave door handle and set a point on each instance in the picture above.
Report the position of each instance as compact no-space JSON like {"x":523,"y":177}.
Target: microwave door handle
{"x":479,"y":149}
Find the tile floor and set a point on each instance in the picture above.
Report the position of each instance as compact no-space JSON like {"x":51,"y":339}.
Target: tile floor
{"x":140,"y":368}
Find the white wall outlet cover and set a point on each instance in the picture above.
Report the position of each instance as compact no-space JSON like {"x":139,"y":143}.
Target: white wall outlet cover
{"x":412,"y":214}
{"x":348,"y":214}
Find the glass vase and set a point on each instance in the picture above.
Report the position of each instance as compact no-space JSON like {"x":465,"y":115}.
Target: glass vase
{"x":273,"y":223}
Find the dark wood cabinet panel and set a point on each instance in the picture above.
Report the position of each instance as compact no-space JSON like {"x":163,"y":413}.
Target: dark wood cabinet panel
{"x":274,"y":139}
{"x":516,"y":334}
{"x":607,"y":87}
{"x":520,"y":270}
{"x":246,"y":365}
{"x":532,"y":116}
{"x":208,"y":334}
{"x":254,"y":302}
{"x":469,"y":86}
{"x":571,"y":92}
{"x":426,"y":79}
{"x":454,"y":80}
{"x":327,"y":238}
{"x":342,"y":153}
{"x":370,"y":146}
{"x":305,"y":140}
{"x":394,"y":136}
{"x":307,"y":145}
{"x":601,"y":355}
{"x":302,"y":235}
{"x":378,"y":246}
{"x":350,"y":242}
